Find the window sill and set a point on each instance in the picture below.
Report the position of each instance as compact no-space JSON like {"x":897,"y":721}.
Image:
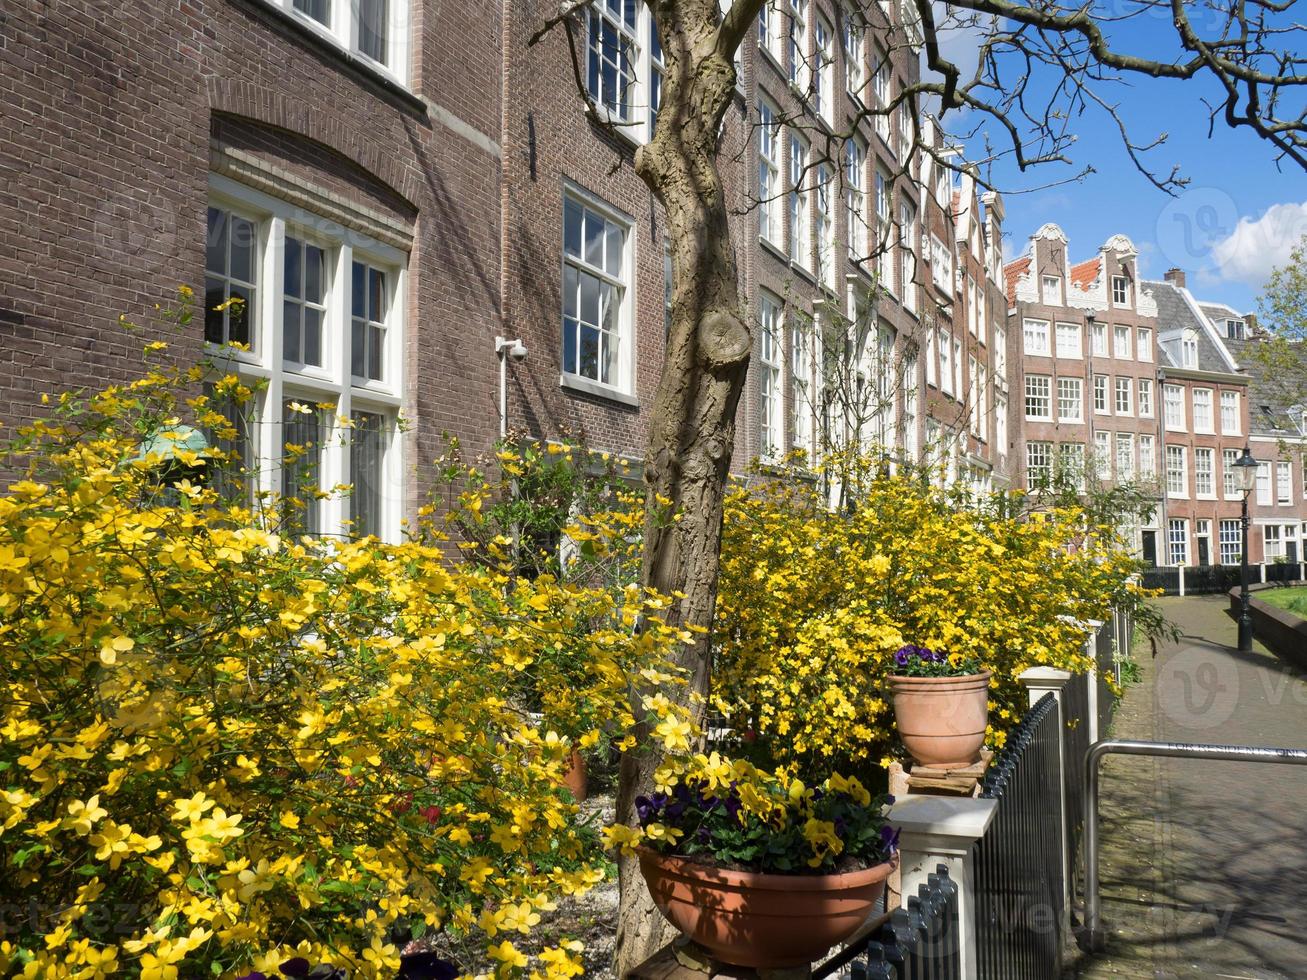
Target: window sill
{"x":776,"y":250}
{"x":576,"y":383}
{"x":364,"y":69}
{"x":624,"y":131}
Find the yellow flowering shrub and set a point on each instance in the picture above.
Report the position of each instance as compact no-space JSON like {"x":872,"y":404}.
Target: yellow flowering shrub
{"x":223,"y":746}
{"x":813,"y":604}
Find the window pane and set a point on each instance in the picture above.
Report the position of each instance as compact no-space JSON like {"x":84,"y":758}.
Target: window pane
{"x":293,"y":269}
{"x":315,"y":274}
{"x":570,"y":289}
{"x":365,"y":461}
{"x":569,"y":345}
{"x":243,"y":242}
{"x":594,"y":240}
{"x":613,"y":245}
{"x":303,"y":437}
{"x":589,"y":299}
{"x":374,"y":31}
{"x":290,"y":330}
{"x":214,"y":296}
{"x":571,"y":227}
{"x":312,"y":336}
{"x":376,"y":295}
{"x":375,"y":349}
{"x":216,"y":242}
{"x":239,"y":313}
{"x":357,"y":351}
{"x":589,"y":362}
{"x":358,"y":290}
{"x":319,"y":10}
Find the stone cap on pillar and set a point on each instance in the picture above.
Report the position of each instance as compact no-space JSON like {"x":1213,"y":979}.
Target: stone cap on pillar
{"x":941,"y":824}
{"x":1045,"y":678}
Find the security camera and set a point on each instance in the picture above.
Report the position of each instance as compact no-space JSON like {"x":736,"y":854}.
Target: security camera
{"x":513,"y":348}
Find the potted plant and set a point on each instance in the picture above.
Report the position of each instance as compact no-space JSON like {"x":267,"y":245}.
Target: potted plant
{"x":762,"y":872}
{"x":941,"y":705}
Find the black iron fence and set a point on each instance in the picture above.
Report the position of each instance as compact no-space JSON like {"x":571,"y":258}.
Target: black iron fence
{"x":917,"y":942}
{"x":1215,"y":579}
{"x":1019,"y":862}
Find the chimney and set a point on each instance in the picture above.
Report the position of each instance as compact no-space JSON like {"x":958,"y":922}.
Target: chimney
{"x":1251,"y":320}
{"x":1175,"y":277}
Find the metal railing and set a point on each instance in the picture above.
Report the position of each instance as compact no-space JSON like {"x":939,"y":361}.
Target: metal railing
{"x":1019,"y":861}
{"x":1094,"y":936}
{"x":1215,"y":579}
{"x":919,"y":941}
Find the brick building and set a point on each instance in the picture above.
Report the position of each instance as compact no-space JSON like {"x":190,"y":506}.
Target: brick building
{"x":1086,"y":340}
{"x":389,"y":186}
{"x":1134,"y":381}
{"x":340,"y":160}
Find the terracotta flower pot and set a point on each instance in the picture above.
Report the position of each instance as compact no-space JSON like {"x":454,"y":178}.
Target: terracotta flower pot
{"x":761,"y":920}
{"x":942,"y":720}
{"x":575,"y":777}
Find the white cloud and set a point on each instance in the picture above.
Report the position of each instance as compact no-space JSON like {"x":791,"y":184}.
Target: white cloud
{"x":1254,"y":248}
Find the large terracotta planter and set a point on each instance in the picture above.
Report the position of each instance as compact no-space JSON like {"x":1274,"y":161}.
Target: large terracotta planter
{"x":575,"y":778}
{"x":942,"y":720}
{"x":761,"y":920}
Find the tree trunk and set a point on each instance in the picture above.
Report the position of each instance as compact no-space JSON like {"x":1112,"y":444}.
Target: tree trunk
{"x":692,"y":428}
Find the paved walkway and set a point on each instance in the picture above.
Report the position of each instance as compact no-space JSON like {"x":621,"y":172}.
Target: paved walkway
{"x":1204,"y":866}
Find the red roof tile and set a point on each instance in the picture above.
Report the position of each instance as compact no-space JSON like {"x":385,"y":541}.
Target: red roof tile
{"x":1011,"y":273}
{"x":1083,"y":273}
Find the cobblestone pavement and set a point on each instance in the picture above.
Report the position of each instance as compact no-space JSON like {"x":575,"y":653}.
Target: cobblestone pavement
{"x":1204,"y":871}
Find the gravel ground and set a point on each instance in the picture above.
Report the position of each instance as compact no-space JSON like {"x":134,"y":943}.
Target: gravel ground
{"x":591,"y":918}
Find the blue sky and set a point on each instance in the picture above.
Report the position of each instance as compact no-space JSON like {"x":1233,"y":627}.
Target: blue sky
{"x":1236,"y":219}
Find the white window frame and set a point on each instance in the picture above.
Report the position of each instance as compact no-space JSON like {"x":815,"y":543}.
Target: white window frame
{"x":343,"y":29}
{"x":627,"y":114}
{"x":855,"y":53}
{"x":1123,"y":395}
{"x":1204,"y":473}
{"x":771,"y":379}
{"x":1229,"y":542}
{"x":1051,"y":290}
{"x":1125,"y":456}
{"x":800,"y":204}
{"x":1173,"y":407}
{"x":1177,"y":541}
{"x":1070,"y":341}
{"x":1039,"y":462}
{"x":1147,"y":468}
{"x":771,"y":36}
{"x":825,"y":258}
{"x":797,"y":64}
{"x":624,"y":387}
{"x":771,"y":189}
{"x":908,"y":254}
{"x":1230,"y":475}
{"x":1101,"y":404}
{"x":1121,"y":342}
{"x":823,"y":78}
{"x":1264,"y":488}
{"x":803,"y":340}
{"x":1121,"y":291}
{"x":1143,"y":344}
{"x":1177,"y":472}
{"x":1098,"y":332}
{"x":1039,"y":407}
{"x":855,"y":198}
{"x":1144,"y":398}
{"x":1230,"y":422}
{"x":1103,"y":454}
{"x":1202,"y":410}
{"x":945,"y":362}
{"x":1070,"y":399}
{"x":334,"y":382}
{"x":1036,"y":338}
{"x":1283,"y":483}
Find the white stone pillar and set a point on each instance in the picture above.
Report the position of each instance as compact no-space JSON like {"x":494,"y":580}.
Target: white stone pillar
{"x":935,"y":830}
{"x":1091,"y":651}
{"x":1040,"y":681}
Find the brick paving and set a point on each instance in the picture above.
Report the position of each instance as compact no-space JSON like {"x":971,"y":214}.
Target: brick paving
{"x":1203,"y":865}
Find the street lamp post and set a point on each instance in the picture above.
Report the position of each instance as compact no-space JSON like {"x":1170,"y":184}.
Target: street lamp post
{"x":1246,"y":467}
